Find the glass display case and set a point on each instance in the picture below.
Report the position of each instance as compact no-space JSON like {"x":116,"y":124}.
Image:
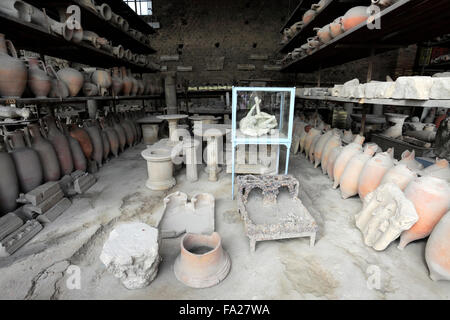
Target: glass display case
{"x":262,"y":116}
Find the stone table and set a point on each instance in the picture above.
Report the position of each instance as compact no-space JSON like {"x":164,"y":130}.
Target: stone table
{"x":159,"y":166}
{"x":204,"y":119}
{"x":212,"y":132}
{"x":173,"y":125}
{"x":150,"y":128}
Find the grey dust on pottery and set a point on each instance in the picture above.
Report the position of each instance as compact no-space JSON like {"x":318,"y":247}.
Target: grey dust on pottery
{"x":271,"y":215}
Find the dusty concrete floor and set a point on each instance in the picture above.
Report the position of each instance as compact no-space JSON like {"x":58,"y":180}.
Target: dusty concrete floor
{"x":338,"y":267}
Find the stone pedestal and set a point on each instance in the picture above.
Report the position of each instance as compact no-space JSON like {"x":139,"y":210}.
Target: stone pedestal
{"x":173,"y":126}
{"x":160,"y":168}
{"x":150,"y":133}
{"x":190,"y":156}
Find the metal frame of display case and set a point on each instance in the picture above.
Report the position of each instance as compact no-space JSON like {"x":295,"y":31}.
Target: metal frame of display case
{"x":281,"y":139}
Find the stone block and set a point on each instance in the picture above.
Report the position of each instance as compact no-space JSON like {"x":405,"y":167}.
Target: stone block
{"x":440,"y":88}
{"x":52,"y":214}
{"x":20,"y":237}
{"x":8,"y":223}
{"x":415,"y":88}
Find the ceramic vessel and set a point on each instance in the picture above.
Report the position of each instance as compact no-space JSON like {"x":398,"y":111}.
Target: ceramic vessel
{"x":73,"y":79}
{"x":408,"y":158}
{"x":344,"y":157}
{"x":83,"y":139}
{"x":309,"y":139}
{"x":437,"y":250}
{"x":13,"y":72}
{"x":334,"y":154}
{"x":113,"y":138}
{"x":312,"y":148}
{"x":59,"y":88}
{"x":324,"y":33}
{"x":27,"y":163}
{"x":38,"y":80}
{"x":308,"y":16}
{"x":135,"y":86}
{"x":350,"y":176}
{"x":400,"y":175}
{"x":46,"y":152}
{"x":120,"y":133}
{"x":78,"y":157}
{"x":9,"y":183}
{"x":159,"y":167}
{"x":320,"y":146}
{"x":333,"y":142}
{"x":336,"y":27}
{"x":102,"y":79}
{"x":117,"y":82}
{"x":430,"y":197}
{"x":202,"y":262}
{"x":97,"y":141}
{"x":395,"y":131}
{"x":127,"y":82}
{"x":440,"y":169}
{"x":373,"y":172}
{"x":61,"y":145}
{"x":354,"y":17}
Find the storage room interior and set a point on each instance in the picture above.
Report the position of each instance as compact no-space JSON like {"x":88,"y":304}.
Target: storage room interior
{"x":215,"y":150}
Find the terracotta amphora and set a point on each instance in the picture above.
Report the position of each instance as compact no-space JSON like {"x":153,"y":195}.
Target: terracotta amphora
{"x":38,"y":80}
{"x":46,"y":152}
{"x":26,"y":160}
{"x":97,"y":142}
{"x":73,"y":79}
{"x":135,"y":87}
{"x":437,"y":250}
{"x":61,"y":145}
{"x":83,"y":139}
{"x":106,"y":146}
{"x":59,"y":88}
{"x":112,"y":136}
{"x":117,"y":82}
{"x":128,"y":131}
{"x":354,"y":17}
{"x":9,"y":183}
{"x":120,"y":131}
{"x":79,"y":160}
{"x":13,"y":72}
{"x":127,"y":82}
{"x":344,"y":157}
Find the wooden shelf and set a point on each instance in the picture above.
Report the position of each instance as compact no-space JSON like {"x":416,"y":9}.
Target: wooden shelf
{"x":328,"y":14}
{"x":35,"y":38}
{"x":405,"y":22}
{"x":93,"y":22}
{"x":297,"y":14}
{"x":390,"y":102}
{"x":136,"y":22}
{"x":74,"y":99}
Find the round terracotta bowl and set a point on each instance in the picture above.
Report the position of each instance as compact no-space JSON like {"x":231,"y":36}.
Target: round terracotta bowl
{"x":202,"y":262}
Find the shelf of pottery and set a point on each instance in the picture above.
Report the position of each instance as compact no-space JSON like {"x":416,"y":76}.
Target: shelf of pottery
{"x":46,"y":163}
{"x":78,"y":31}
{"x":360,"y":32}
{"x":395,"y":190}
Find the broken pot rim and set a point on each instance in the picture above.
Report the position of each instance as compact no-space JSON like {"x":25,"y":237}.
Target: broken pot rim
{"x":201,"y":236}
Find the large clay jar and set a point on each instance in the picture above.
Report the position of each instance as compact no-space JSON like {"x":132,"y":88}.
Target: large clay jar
{"x":202,"y":262}
{"x":333,"y":142}
{"x":127,"y":82}
{"x":97,"y":141}
{"x":401,"y":175}
{"x":13,"y":72}
{"x":120,"y":134}
{"x":308,"y":16}
{"x":113,"y":139}
{"x":73,"y":79}
{"x":102,"y":79}
{"x":117,"y":82}
{"x":83,"y":139}
{"x":309,"y":139}
{"x":59,"y":88}
{"x":344,"y":157}
{"x":27,"y":163}
{"x":135,"y":87}
{"x":320,"y":145}
{"x":78,"y":157}
{"x":354,"y":17}
{"x":38,"y":80}
{"x":324,"y":33}
{"x":437,"y":251}
{"x":350,"y":176}
{"x":9,"y":183}
{"x":373,"y":172}
{"x":313,"y":147}
{"x":46,"y":152}
{"x":128,"y":131}
{"x":303,"y":136}
{"x":409,"y":159}
{"x":106,"y":146}
{"x":334,"y":154}
{"x":440,"y":169}
{"x":61,"y":145}
{"x":336,"y":27}
{"x":430,"y":197}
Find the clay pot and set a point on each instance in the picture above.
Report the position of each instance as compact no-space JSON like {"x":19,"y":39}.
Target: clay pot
{"x":97,"y":141}
{"x":440,"y":169}
{"x":120,"y":131}
{"x":309,"y":139}
{"x":106,"y":146}
{"x":59,"y":88}
{"x":324,"y":33}
{"x":320,"y":5}
{"x":78,"y":157}
{"x":395,"y":131}
{"x":46,"y":152}
{"x":102,"y":79}
{"x":350,"y":176}
{"x":400,"y":175}
{"x":135,"y":86}
{"x":430,"y":197}
{"x":113,"y":139}
{"x":344,"y":157}
{"x":309,"y":16}
{"x":313,"y":42}
{"x":13,"y":72}
{"x":354,"y":17}
{"x":117,"y":82}
{"x":334,"y":154}
{"x":437,"y":250}
{"x":384,"y":3}
{"x":83,"y":139}
{"x":127,"y":82}
{"x":408,"y":158}
{"x":202,"y":262}
{"x":90,"y":89}
{"x":336,"y":27}
{"x":73,"y":79}
{"x":38,"y":79}
{"x":373,"y":172}
{"x":129,"y":133}
{"x":313,"y":147}
{"x":333,"y":142}
{"x":61,"y":145}
{"x":27,"y":163}
{"x":9,"y":183}
{"x":318,"y":150}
